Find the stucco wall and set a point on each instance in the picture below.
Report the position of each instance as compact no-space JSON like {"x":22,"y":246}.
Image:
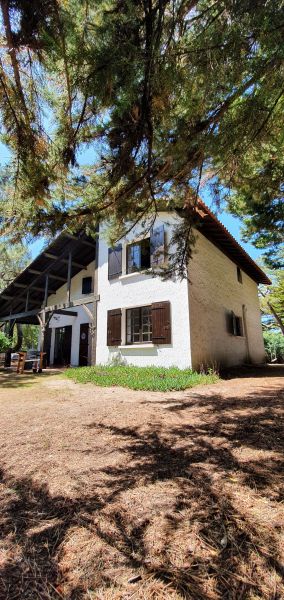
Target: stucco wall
{"x":64,"y":320}
{"x":138,"y":290}
{"x":213,"y":290}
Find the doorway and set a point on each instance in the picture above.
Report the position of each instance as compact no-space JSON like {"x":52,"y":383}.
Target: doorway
{"x":62,"y":346}
{"x":84,"y":345}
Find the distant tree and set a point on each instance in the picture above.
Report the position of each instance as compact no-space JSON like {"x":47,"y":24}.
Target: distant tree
{"x":272,"y":297}
{"x":274,"y":346}
{"x":13,"y":259}
{"x":169,"y":94}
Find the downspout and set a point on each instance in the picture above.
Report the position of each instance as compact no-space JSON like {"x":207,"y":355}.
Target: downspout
{"x":248,"y":355}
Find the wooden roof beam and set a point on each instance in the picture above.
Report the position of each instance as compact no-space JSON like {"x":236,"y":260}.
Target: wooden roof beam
{"x":51,"y":275}
{"x":65,"y":260}
{"x":30,"y":286}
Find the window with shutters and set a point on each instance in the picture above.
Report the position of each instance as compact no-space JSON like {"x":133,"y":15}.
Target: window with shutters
{"x":234,"y":324}
{"x":146,"y":253}
{"x":139,"y":325}
{"x":87,"y":285}
{"x":138,"y":256}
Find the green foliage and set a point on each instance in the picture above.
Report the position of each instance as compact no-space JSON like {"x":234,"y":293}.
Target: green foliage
{"x":274,"y":346}
{"x":272,"y":297}
{"x":13,"y":259}
{"x":30,"y":336}
{"x":166,"y":95}
{"x":141,"y":378}
{"x":5,"y":342}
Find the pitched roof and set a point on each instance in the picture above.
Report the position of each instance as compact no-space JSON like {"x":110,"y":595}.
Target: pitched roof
{"x":217,"y":233}
{"x":52,"y":260}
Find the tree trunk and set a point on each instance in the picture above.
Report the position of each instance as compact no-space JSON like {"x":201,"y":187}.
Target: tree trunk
{"x":18,"y":343}
{"x":276,"y":317}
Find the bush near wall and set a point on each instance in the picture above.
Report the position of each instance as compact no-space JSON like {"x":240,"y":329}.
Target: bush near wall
{"x":274,"y":346}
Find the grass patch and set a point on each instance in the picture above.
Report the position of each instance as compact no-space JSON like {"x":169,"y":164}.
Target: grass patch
{"x":141,"y":378}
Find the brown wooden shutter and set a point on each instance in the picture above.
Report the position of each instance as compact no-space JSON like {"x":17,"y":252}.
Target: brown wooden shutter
{"x":114,"y":261}
{"x":114,"y":327}
{"x":157,"y":246}
{"x":230,"y":322}
{"x":161,"y":323}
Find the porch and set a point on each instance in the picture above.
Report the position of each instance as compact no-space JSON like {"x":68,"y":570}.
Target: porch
{"x":26,"y":300}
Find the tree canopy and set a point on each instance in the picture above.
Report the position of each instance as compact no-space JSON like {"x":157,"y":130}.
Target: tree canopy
{"x":13,"y":259}
{"x":272,"y":298}
{"x":167,"y":96}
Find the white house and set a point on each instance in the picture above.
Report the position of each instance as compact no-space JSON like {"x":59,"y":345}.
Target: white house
{"x":98,"y":304}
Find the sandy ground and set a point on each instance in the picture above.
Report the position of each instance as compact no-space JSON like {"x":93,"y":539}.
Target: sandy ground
{"x":107,"y":493}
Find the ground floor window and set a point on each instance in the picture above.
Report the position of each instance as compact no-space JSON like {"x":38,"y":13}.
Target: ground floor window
{"x":139,"y":325}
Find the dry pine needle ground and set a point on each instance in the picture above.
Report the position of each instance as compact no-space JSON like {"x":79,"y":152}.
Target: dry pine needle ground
{"x":113,"y":494}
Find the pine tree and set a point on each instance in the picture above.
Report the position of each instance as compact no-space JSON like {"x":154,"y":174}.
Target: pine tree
{"x":168,"y":94}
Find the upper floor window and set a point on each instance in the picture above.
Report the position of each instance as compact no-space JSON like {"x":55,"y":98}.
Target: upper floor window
{"x":138,"y":256}
{"x":87,"y":285}
{"x":239,"y":275}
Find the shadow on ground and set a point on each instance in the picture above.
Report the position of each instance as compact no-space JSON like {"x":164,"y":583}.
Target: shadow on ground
{"x":9,"y":378}
{"x":184,"y":509}
{"x":269,"y":370}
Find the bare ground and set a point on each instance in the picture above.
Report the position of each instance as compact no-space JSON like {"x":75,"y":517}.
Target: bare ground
{"x":181,"y":491}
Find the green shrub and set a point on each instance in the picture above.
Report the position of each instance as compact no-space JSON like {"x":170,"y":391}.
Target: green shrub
{"x":274,"y":346}
{"x":141,"y":378}
{"x":5,"y":342}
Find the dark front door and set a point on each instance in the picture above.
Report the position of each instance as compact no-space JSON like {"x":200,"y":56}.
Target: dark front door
{"x":84,"y":344}
{"x":46,"y":347}
{"x":62,"y":346}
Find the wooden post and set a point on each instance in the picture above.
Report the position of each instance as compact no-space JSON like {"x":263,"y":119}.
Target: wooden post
{"x":27,"y":300}
{"x":93,"y":325}
{"x":10,"y":328}
{"x":42,"y":321}
{"x":93,"y":331}
{"x":69,"y":275}
{"x":45,"y":291}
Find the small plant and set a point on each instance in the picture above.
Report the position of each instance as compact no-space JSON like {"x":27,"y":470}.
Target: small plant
{"x":141,"y":378}
{"x":212,"y":368}
{"x":117,"y":360}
